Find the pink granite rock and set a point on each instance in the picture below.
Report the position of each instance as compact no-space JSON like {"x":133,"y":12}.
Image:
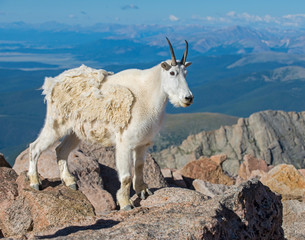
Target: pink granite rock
{"x":178,"y":179}
{"x":86,"y":170}
{"x":90,"y":183}
{"x":20,"y":220}
{"x":54,"y":205}
{"x":219,"y":159}
{"x":250,"y":209}
{"x":207,"y":170}
{"x":106,"y":159}
{"x":294,"y":219}
{"x":285,"y":180}
{"x":167,"y":173}
{"x":302,"y":171}
{"x":209,"y":189}
{"x":47,"y":164}
{"x":252,"y":167}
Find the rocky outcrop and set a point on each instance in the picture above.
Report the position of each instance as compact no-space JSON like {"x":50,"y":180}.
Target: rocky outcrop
{"x":275,"y":136}
{"x":248,"y":211}
{"x":285,"y":180}
{"x":302,"y":171}
{"x":24,"y":209}
{"x":207,"y":170}
{"x":8,"y":193}
{"x":250,"y":165}
{"x":282,"y":179}
{"x":89,"y":181}
{"x":294,"y":219}
{"x":209,"y":189}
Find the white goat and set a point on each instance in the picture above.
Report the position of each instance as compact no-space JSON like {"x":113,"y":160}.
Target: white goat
{"x":124,"y":110}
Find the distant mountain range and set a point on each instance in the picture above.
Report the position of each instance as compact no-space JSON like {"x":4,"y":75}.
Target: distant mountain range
{"x":122,"y":44}
{"x":236,"y":70}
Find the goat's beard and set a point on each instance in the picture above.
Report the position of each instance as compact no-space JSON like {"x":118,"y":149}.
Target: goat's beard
{"x":175,"y":101}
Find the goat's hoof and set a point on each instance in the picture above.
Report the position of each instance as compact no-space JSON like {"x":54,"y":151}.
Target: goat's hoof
{"x":73,"y":186}
{"x":144,"y":194}
{"x":149,"y":192}
{"x":35,"y":186}
{"x":128,"y":207}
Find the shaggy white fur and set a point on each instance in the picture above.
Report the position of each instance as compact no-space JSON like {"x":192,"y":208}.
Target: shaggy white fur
{"x":76,"y":98}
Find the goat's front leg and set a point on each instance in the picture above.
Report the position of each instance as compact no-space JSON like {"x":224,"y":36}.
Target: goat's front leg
{"x":139,"y":186}
{"x":123,"y":163}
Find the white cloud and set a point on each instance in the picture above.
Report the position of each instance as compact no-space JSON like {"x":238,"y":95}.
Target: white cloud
{"x":200,"y":18}
{"x":209,"y":18}
{"x":252,"y":18}
{"x":243,"y":16}
{"x":196,"y":17}
{"x":231,"y":14}
{"x":233,"y":17}
{"x":130,"y":6}
{"x":294,"y":16}
{"x":173,"y":18}
{"x":268,"y":18}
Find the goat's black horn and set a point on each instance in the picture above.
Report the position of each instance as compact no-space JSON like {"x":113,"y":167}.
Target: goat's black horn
{"x":183,"y":60}
{"x":174,"y":62}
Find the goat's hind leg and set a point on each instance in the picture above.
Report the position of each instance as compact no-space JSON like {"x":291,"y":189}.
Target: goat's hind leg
{"x":63,"y":150}
{"x":46,"y":138}
{"x":139,"y":186}
{"x":123,"y":163}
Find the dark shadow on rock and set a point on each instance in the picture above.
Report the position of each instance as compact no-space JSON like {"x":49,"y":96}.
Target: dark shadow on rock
{"x":229,"y":226}
{"x":175,"y":183}
{"x":50,"y":183}
{"x":110,"y":180}
{"x":254,"y":213}
{"x":100,"y":224}
{"x":189,"y":182}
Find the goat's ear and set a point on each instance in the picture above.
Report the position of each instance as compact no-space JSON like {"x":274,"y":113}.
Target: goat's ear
{"x":165,"y":65}
{"x":187,"y":64}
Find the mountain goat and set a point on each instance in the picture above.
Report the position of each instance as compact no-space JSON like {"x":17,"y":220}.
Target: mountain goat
{"x":124,"y":110}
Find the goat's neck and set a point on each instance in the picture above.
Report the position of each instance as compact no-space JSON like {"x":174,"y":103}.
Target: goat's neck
{"x":156,"y":95}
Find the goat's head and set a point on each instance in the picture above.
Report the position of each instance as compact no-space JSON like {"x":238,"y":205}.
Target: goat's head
{"x":174,"y":79}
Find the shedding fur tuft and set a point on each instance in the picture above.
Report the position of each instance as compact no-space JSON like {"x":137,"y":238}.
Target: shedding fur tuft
{"x":94,"y":111}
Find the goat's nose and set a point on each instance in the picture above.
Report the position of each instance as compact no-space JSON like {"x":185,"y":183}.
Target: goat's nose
{"x":189,"y":98}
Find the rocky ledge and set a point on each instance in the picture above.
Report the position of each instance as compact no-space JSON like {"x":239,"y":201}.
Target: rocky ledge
{"x":247,"y":211}
{"x":198,"y":201}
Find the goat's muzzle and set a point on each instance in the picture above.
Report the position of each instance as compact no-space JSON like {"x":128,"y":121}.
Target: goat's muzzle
{"x":188,"y":100}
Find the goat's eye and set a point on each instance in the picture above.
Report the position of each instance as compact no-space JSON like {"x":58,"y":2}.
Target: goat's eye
{"x":172,"y":73}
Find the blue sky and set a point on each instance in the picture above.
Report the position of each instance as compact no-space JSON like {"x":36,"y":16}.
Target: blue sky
{"x":88,"y":12}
